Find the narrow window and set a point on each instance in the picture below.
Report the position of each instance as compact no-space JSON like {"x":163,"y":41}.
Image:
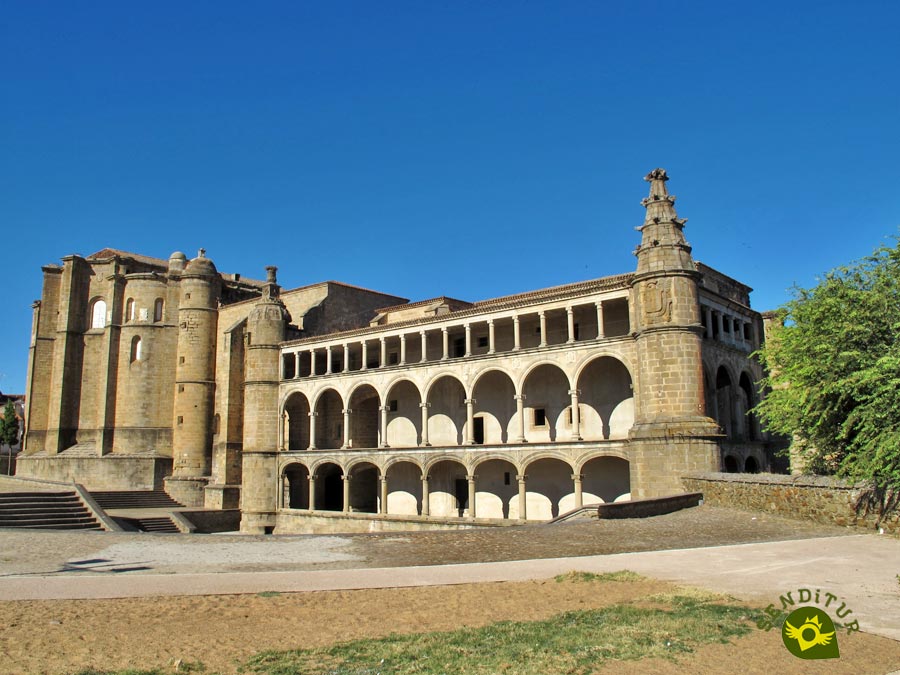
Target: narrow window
{"x":129,"y":310}
{"x":392,"y":405}
{"x":478,"y":430}
{"x":459,"y":347}
{"x":98,"y":314}
{"x":135,"y":349}
{"x":569,"y":416}
{"x":576,"y":335}
{"x":506,"y":477}
{"x":158,"y":310}
{"x":540,"y":417}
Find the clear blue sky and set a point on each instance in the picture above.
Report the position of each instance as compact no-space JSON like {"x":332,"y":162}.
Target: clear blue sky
{"x":471,"y":149}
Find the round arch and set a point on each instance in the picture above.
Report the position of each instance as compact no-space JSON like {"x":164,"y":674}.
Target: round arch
{"x":364,"y":489}
{"x":295,"y":411}
{"x":495,"y":416}
{"x":606,"y":399}
{"x":329,"y":480}
{"x":295,"y":486}
{"x":550,"y":489}
{"x":547,"y":404}
{"x":364,"y":403}
{"x":448,"y":487}
{"x":404,"y":486}
{"x":404,"y":414}
{"x":446,"y":398}
{"x":605,"y":479}
{"x":496,"y":489}
{"x":329,"y":421}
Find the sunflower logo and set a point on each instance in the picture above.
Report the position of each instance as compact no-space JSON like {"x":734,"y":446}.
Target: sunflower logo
{"x":809,"y":634}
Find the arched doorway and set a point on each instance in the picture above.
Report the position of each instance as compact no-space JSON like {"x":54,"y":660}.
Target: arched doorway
{"x":751,"y":465}
{"x":724,"y":406}
{"x":730,"y":464}
{"x":329,"y":487}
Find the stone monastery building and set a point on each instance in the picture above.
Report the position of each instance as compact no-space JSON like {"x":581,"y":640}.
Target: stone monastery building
{"x":329,"y":399}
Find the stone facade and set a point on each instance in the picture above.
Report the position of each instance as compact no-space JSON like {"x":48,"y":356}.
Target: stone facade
{"x":332,"y":399}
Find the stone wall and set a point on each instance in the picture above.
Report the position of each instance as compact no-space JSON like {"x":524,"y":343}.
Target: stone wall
{"x":821,"y":499}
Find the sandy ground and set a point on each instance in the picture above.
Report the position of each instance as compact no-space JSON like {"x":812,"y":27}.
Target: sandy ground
{"x":63,"y":636}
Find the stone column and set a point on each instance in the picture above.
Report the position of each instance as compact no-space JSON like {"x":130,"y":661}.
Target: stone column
{"x":543,"y":317}
{"x":491,"y":341}
{"x":707,"y":323}
{"x":382,"y":508}
{"x":579,"y":499}
{"x":471,"y":479}
{"x":425,"y":499}
{"x":346,"y":358}
{"x":328,"y":360}
{"x":296,"y":364}
{"x":517,"y":339}
{"x":520,"y":411}
{"x":424,"y":347}
{"x":346,"y":479}
{"x":384,"y":424}
{"x":721,"y":325}
{"x":365,"y":355}
{"x":446,"y":338}
{"x":470,"y":421}
{"x":523,"y":496}
{"x":576,"y":416}
{"x":347,"y":439}
{"x":312,"y":362}
{"x":312,"y":429}
{"x":424,"y":407}
{"x":468,"y":339}
{"x":285,"y":431}
{"x":402,"y":350}
{"x":601,"y":332}
{"x":383,"y":362}
{"x":312,"y":492}
{"x":570,"y":324}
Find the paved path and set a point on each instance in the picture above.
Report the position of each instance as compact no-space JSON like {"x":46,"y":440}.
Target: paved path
{"x":860,"y":569}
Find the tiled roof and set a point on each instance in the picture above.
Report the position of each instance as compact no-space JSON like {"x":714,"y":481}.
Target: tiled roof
{"x":110,"y":252}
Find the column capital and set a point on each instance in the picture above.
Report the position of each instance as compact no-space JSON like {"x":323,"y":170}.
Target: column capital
{"x":422,"y":333}
{"x":570,"y":310}
{"x":347,"y":478}
{"x":444,"y":329}
{"x":471,"y":477}
{"x":313,"y":413}
{"x":470,"y":401}
{"x":577,"y":476}
{"x":382,"y":339}
{"x":347,"y":411}
{"x":384,"y":408}
{"x":521,"y":477}
{"x":490,"y":322}
{"x":425,"y":478}
{"x":574,"y":392}
{"x":542,"y":314}
{"x":519,"y":397}
{"x":425,"y":405}
{"x":599,"y":304}
{"x":515,"y":318}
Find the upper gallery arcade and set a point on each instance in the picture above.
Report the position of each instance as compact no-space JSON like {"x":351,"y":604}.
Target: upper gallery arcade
{"x":331,"y":398}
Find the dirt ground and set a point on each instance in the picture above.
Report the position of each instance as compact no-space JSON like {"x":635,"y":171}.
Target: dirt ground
{"x":56,"y":637}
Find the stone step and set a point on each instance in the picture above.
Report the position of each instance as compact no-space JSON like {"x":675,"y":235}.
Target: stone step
{"x":158,"y":524}
{"x":134,"y":499}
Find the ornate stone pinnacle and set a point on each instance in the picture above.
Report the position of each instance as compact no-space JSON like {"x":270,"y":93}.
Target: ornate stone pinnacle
{"x":270,"y":274}
{"x":656,"y":174}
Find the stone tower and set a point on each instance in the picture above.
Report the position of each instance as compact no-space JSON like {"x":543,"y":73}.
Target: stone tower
{"x":265,"y":331}
{"x":672,"y":434}
{"x":195,"y":381}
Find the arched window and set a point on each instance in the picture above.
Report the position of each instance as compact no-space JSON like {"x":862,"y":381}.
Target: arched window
{"x":135,"y":349}
{"x":158,"y":309}
{"x":129,"y":310}
{"x":98,"y":314}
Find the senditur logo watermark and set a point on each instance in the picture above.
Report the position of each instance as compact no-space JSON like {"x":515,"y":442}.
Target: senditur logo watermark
{"x":807,"y":629}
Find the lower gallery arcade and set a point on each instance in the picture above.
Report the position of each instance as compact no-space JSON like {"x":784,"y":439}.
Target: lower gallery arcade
{"x":495,"y":445}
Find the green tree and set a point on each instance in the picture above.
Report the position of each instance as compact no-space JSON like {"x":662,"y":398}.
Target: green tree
{"x":834,"y":382}
{"x":9,"y":425}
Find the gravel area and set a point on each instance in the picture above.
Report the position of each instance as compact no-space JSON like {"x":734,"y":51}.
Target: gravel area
{"x":40,"y":553}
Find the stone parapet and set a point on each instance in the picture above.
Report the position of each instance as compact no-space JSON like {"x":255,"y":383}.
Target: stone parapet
{"x":822,"y":499}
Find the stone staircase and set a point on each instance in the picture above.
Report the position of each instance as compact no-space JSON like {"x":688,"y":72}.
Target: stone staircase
{"x":46,"y":510}
{"x":162,"y":524}
{"x":134,"y":499}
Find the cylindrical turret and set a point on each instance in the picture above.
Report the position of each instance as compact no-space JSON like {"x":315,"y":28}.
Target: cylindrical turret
{"x":195,"y":375}
{"x":265,"y":329}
